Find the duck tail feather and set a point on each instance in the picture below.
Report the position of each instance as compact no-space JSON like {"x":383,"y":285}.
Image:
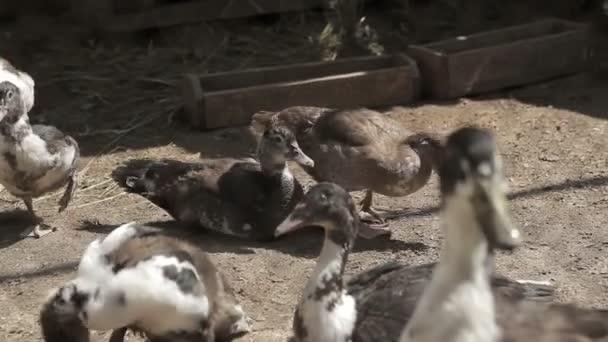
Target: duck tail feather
{"x":541,"y":291}
{"x":134,"y":174}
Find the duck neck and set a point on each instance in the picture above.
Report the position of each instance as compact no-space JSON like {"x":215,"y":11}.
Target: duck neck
{"x":14,"y":127}
{"x":459,"y":293}
{"x":326,"y":278}
{"x":271,"y":167}
{"x":429,"y":157}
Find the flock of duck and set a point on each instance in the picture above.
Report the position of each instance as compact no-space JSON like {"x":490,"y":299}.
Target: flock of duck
{"x":168,"y":289}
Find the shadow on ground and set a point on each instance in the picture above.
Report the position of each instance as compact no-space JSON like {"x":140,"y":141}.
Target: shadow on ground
{"x":12,"y":224}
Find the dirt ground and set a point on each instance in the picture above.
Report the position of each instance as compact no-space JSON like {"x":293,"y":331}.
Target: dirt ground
{"x":117,"y":99}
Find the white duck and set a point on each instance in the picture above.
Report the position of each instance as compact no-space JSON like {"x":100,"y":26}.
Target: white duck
{"x":138,"y":279}
{"x":459,"y":304}
{"x":34,"y":159}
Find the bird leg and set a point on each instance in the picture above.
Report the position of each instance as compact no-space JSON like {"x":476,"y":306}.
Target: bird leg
{"x":368,"y":213}
{"x":374,"y":224}
{"x":36,"y":230}
{"x":69,"y":192}
{"x":118,"y":335}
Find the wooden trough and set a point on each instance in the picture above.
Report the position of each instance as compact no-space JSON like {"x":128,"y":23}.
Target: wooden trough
{"x":134,"y":15}
{"x":502,"y":58}
{"x":231,"y":98}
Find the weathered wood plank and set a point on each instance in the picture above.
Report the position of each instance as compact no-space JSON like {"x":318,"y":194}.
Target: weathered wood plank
{"x":502,"y":58}
{"x":214,"y":101}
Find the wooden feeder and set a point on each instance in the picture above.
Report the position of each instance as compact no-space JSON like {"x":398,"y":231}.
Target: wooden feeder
{"x":231,"y":98}
{"x":502,"y":58}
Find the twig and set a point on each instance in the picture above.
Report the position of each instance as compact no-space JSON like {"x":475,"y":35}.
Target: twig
{"x":97,"y":202}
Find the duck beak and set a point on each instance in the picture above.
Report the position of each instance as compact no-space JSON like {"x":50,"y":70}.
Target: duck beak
{"x":300,"y":217}
{"x":493,"y":215}
{"x":300,"y":157}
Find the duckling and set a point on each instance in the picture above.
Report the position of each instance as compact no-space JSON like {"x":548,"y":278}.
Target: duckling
{"x":376,"y":304}
{"x":138,"y":279}
{"x":34,"y":159}
{"x":360,"y":149}
{"x":237,"y":197}
{"x":459,"y":304}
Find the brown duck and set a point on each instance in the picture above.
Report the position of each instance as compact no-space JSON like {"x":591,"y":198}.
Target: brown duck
{"x":360,"y":149}
{"x":239,"y":197}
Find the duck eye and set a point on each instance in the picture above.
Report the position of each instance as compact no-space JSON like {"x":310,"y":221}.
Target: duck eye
{"x":9,"y":94}
{"x":276,"y":138}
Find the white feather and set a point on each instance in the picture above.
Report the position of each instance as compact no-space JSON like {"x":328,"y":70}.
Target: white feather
{"x":24,"y":82}
{"x":323,"y":325}
{"x":93,"y":264}
{"x":458,"y":305}
{"x":155,"y":302}
{"x":33,"y":157}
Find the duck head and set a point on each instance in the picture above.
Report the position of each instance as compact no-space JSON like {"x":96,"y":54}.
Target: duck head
{"x":11,"y":104}
{"x":326,"y":205}
{"x":428,"y":146}
{"x":472,"y":183}
{"x":59,"y":317}
{"x":278,"y":145}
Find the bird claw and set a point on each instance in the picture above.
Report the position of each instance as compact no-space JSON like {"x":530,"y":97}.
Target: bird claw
{"x":370,"y":215}
{"x":371,"y":231}
{"x":37,"y":231}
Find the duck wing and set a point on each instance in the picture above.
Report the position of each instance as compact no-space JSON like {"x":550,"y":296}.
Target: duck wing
{"x":359,"y":127}
{"x":387,"y":294}
{"x":551,"y":322}
{"x":59,"y":143}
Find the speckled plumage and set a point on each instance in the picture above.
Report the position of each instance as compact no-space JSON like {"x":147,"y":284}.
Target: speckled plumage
{"x":34,"y":159}
{"x":239,"y":197}
{"x":358,"y":149}
{"x":384,"y":296}
{"x":159,"y":286}
{"x":21,"y":79}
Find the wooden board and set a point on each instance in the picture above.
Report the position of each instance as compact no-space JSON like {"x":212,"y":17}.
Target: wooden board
{"x":201,"y":10}
{"x":502,"y":58}
{"x":230,"y":99}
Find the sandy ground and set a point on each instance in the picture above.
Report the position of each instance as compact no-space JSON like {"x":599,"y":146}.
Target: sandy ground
{"x":553,"y":138}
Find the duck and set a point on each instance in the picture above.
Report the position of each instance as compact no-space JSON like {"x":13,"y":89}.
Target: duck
{"x":238,"y":197}
{"x":458,"y":304}
{"x":139,"y":279}
{"x":34,"y":159}
{"x":375,"y":304}
{"x":360,"y":149}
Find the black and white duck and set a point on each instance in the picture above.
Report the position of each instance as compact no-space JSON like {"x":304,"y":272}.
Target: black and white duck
{"x":459,"y":304}
{"x":360,"y":149}
{"x":240,"y":197}
{"x":156,"y":285}
{"x":34,"y":159}
{"x":376,"y":304}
